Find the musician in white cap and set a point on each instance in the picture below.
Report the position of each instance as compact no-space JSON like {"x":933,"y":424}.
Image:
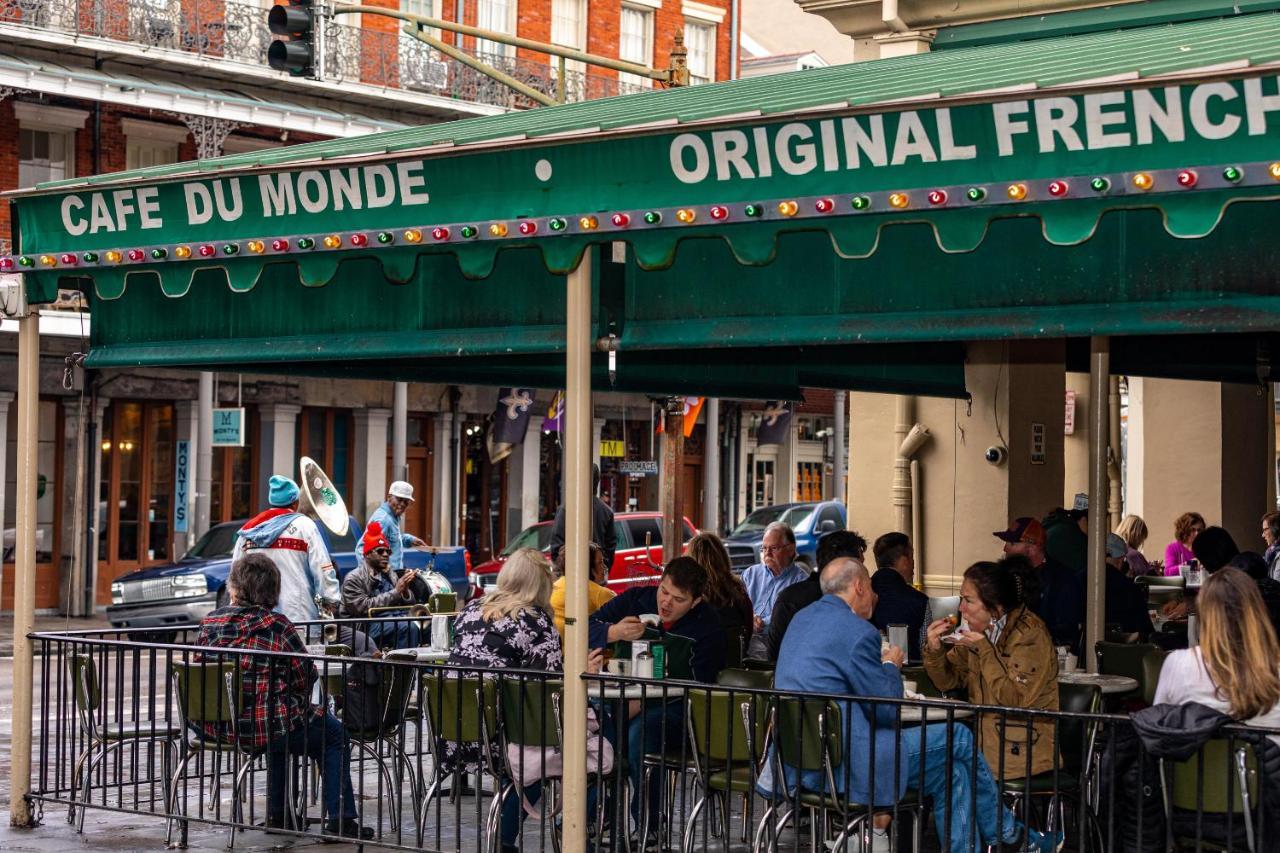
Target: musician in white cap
{"x":399,"y":496}
{"x":294,"y":544}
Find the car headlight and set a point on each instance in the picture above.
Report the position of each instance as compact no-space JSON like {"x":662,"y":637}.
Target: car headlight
{"x":117,"y":593}
{"x":188,"y":586}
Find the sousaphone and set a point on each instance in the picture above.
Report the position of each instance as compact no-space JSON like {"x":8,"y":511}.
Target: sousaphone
{"x":319,"y":498}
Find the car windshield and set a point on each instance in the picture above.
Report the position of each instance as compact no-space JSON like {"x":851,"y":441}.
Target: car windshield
{"x":792,"y":516}
{"x":217,"y":542}
{"x":538,"y":536}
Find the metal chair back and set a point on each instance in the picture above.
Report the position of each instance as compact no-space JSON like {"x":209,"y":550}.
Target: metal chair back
{"x":724,"y":727}
{"x":1075,"y":736}
{"x":459,"y":709}
{"x":530,"y":712}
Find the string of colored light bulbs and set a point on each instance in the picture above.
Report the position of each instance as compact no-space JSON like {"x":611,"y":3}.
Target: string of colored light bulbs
{"x":800,"y":208}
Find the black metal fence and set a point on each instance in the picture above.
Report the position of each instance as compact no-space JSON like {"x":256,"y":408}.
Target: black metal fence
{"x":430,"y":756}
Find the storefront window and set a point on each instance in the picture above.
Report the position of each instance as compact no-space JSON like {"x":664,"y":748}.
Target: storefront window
{"x":325,"y":435}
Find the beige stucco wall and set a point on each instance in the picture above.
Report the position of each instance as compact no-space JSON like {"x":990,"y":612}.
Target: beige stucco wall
{"x":965,"y":498}
{"x":1075,"y":451}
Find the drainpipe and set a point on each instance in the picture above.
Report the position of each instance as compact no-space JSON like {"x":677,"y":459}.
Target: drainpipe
{"x":734,"y":38}
{"x":889,"y":14}
{"x":1114,"y":460}
{"x":911,"y":437}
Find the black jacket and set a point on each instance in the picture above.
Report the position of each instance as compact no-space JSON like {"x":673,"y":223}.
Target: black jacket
{"x":602,"y":532}
{"x":899,"y":604}
{"x":700,"y":626}
{"x":790,"y":601}
{"x":1061,"y":603}
{"x":1126,"y":604}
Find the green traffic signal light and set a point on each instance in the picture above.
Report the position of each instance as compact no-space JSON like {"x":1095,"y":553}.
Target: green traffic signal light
{"x":297,"y":22}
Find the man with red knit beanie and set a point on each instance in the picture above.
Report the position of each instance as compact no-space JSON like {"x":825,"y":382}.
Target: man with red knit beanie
{"x":373,"y":584}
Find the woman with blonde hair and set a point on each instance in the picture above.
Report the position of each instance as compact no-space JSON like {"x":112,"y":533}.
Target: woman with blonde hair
{"x":724,"y":591}
{"x":1133,"y":530}
{"x":1234,"y":669}
{"x":510,"y":628}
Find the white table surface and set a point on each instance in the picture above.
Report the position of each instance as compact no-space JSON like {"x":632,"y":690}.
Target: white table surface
{"x":914,"y":714}
{"x":1107,"y":683}
{"x":430,"y":654}
{"x":656,"y":690}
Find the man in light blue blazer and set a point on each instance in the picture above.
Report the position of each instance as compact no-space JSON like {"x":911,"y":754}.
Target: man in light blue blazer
{"x":832,"y":648}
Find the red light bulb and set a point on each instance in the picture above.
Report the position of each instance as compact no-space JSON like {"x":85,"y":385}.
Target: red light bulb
{"x":69,"y":259}
{"x":1058,"y":189}
{"x":719,"y":211}
{"x":206,"y":251}
{"x":1188,"y":178}
{"x":135,"y":254}
{"x":621,"y":220}
{"x":824,"y":205}
{"x":937,"y":197}
{"x":439,"y":233}
{"x":358,"y":240}
{"x":528,"y":227}
{"x":279,"y":245}
{"x":6,"y":263}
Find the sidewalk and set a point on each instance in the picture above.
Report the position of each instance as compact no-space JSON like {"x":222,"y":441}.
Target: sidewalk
{"x":48,"y":623}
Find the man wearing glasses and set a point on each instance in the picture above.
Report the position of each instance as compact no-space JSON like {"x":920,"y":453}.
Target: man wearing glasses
{"x":776,"y":571}
{"x":373,"y":584}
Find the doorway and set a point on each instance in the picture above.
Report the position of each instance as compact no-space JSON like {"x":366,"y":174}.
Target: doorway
{"x":418,"y":458}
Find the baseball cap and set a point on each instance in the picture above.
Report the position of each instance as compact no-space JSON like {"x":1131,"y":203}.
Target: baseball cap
{"x":1116,"y":546}
{"x":401,"y":489}
{"x":1022,"y":530}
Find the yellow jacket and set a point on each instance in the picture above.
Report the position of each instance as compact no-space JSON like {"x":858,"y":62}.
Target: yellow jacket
{"x":596,"y":597}
{"x":1021,"y":671}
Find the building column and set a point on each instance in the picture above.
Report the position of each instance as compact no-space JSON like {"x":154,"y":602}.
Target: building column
{"x":784,"y":478}
{"x":202,"y":453}
{"x":740,"y":496}
{"x":6,"y":397}
{"x":400,"y":432}
{"x":72,"y":512}
{"x":186,"y":423}
{"x":1197,"y":447}
{"x":369,"y":485}
{"x":1017,"y":398}
{"x":97,"y":523}
{"x":711,"y":467}
{"x":1075,"y":449}
{"x":279,"y":452}
{"x":442,"y":474}
{"x":524,"y":479}
{"x":597,"y":430}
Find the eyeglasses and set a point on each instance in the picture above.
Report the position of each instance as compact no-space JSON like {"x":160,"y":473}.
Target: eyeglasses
{"x":772,"y":548}
{"x":383,"y":552}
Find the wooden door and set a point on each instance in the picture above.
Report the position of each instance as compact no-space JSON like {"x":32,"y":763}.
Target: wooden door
{"x":691,"y":491}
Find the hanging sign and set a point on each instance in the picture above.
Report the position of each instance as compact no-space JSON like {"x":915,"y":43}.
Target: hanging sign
{"x":1038,"y":455}
{"x":181,"y":485}
{"x":228,"y":427}
{"x":638,"y":467}
{"x":1069,"y":421}
{"x":612,"y":449}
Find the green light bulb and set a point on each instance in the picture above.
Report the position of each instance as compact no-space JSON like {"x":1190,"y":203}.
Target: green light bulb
{"x":306,"y":243}
{"x":24,"y":261}
{"x":385,"y":237}
{"x":1100,"y":185}
{"x":1233,"y":174}
{"x":976,"y":194}
{"x":557,"y":224}
{"x":861,"y":202}
{"x":159,"y":254}
{"x":469,"y":231}
{"x":653,"y":217}
{"x":753,"y":210}
{"x":230,"y":248}
{"x":90,"y":257}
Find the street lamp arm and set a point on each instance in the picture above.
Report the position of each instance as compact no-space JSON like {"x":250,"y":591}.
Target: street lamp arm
{"x":471,"y":62}
{"x":671,"y":76}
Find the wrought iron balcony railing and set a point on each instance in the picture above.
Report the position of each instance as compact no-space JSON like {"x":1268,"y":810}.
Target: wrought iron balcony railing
{"x":238,"y":32}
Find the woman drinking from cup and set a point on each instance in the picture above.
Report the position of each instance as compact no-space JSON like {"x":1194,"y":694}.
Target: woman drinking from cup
{"x":1001,"y":654}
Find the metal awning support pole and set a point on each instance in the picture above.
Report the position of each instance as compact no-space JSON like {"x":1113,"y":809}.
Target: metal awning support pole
{"x":577,"y":524}
{"x":1099,"y":435}
{"x":24,"y":558}
{"x":400,"y":432}
{"x":204,"y":454}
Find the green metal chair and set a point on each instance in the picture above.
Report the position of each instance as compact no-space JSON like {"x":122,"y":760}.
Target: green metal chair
{"x":394,"y":693}
{"x":1160,"y":589}
{"x":1076,"y":739}
{"x":1152,"y":663}
{"x":758,"y":679}
{"x":806,"y":737}
{"x":1123,"y":659}
{"x":735,"y":645}
{"x":462,"y":711}
{"x":727,"y":733}
{"x":443,"y":602}
{"x":209,"y":695}
{"x":1227,"y":783}
{"x":103,"y":738}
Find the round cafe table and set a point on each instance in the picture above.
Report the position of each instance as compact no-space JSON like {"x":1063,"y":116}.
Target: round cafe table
{"x":916,"y":714}
{"x":1108,"y":684}
{"x":430,"y":654}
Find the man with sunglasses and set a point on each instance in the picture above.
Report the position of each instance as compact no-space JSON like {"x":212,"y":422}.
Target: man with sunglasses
{"x":374,"y":584}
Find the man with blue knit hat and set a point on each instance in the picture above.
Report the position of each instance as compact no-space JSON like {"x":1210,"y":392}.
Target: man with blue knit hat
{"x":293,"y":542}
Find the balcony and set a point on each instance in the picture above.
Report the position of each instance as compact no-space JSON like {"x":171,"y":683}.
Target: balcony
{"x":237,"y":33}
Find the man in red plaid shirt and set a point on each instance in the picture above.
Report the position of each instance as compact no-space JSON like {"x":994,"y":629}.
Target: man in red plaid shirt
{"x":276,"y":711}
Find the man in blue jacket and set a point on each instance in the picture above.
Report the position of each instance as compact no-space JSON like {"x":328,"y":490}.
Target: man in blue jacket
{"x":832,"y":648}
{"x":688,"y":623}
{"x":399,"y":496}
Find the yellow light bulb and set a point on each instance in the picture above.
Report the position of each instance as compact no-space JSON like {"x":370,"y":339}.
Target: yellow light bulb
{"x":413,"y":235}
{"x":1143,"y":181}
{"x":788,"y":208}
{"x":48,"y":260}
{"x":588,"y":223}
{"x":257,"y":247}
{"x":498,"y":229}
{"x":333,"y":241}
{"x":899,"y":200}
{"x":1274,"y":170}
{"x":182,"y":252}
{"x":114,"y":256}
{"x":1017,"y":192}
{"x":686,"y":215}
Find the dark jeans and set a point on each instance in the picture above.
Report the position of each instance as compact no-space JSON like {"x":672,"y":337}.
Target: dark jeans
{"x":658,"y":727}
{"x":401,"y":634}
{"x":325,"y":741}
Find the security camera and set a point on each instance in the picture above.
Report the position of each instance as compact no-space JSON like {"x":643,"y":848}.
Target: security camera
{"x":996,"y":455}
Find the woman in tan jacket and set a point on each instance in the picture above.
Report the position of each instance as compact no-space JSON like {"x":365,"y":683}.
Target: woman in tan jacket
{"x":1003,"y":655}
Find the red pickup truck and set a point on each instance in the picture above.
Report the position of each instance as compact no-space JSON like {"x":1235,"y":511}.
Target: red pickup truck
{"x":631,"y":565}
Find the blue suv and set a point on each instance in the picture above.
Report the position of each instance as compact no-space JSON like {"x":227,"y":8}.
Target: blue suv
{"x":179,"y":595}
{"x":809,"y":521}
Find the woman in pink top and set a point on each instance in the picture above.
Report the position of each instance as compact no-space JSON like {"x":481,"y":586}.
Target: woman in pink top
{"x":1178,"y":552}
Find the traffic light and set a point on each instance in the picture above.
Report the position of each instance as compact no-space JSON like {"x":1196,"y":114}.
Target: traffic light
{"x":297,"y":21}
